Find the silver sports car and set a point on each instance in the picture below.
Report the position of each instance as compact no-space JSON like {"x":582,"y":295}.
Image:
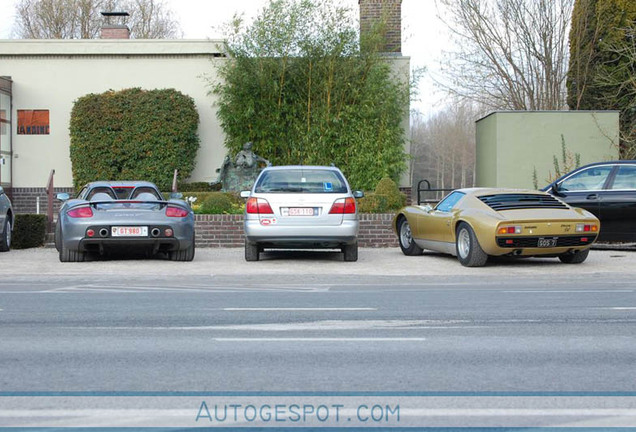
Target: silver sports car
{"x":6,"y":221}
{"x":120,"y":215}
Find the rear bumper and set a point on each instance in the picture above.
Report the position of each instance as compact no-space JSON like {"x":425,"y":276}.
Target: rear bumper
{"x":301,"y":236}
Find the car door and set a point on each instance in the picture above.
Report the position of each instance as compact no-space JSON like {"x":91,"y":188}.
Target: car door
{"x":584,"y":188}
{"x":437,"y":225}
{"x":618,"y":205}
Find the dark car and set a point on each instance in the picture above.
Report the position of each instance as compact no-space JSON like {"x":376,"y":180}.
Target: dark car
{"x":6,"y":221}
{"x":606,"y":189}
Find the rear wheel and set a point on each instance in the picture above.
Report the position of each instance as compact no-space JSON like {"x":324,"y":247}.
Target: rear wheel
{"x":350,"y":252}
{"x":67,"y":255}
{"x":186,"y":254}
{"x":405,"y":237}
{"x":574,"y":257}
{"x":469,"y":252}
{"x":57,"y":239}
{"x":252,"y":251}
{"x":5,"y":240}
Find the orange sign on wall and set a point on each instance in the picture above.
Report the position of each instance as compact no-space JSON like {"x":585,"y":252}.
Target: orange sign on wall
{"x":33,"y":122}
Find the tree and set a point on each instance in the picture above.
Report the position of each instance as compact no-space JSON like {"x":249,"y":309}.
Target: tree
{"x":302,"y":87}
{"x":81,"y":19}
{"x":510,"y":54}
{"x":443,"y":147}
{"x":603,"y":62}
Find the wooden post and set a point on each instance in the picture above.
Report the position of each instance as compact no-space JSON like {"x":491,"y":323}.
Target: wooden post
{"x":174,"y":181}
{"x":49,"y":195}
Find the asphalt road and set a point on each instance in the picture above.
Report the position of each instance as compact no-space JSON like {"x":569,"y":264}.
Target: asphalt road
{"x":64,"y":331}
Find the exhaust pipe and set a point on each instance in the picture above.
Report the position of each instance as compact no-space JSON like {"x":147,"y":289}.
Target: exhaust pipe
{"x":103,"y":232}
{"x":155,"y":232}
{"x":517,"y":252}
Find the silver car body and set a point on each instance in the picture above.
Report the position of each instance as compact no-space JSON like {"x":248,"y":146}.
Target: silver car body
{"x":124,"y":214}
{"x":6,"y":221}
{"x":301,"y":198}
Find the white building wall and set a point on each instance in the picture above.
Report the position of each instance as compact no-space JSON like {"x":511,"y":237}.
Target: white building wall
{"x":53,"y":74}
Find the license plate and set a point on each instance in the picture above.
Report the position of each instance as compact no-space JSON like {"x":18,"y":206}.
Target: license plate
{"x":547,"y":242}
{"x":129,"y":231}
{"x":302,"y":211}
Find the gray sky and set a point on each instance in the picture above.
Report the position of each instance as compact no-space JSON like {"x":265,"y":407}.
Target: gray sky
{"x":423,"y":37}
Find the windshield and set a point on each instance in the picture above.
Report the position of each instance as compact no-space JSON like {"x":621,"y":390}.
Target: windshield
{"x":301,"y":181}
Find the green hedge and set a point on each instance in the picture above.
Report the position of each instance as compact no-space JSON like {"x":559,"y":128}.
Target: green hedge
{"x":386,"y":197}
{"x":29,"y":231}
{"x":133,"y":134}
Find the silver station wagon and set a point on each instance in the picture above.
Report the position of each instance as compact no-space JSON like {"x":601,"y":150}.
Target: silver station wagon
{"x":301,"y":207}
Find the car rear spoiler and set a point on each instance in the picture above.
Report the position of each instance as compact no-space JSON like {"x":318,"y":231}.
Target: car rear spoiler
{"x":126,"y":201}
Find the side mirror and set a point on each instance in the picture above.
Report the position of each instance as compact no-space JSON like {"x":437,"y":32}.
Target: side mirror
{"x":554,"y":189}
{"x":63,"y":196}
{"x":176,"y":195}
{"x":358,"y":194}
{"x":245,"y":194}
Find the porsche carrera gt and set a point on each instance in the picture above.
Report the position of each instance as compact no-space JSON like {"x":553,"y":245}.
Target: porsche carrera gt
{"x":473,"y":224}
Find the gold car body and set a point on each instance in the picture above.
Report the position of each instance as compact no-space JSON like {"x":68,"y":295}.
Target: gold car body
{"x":436,"y":230}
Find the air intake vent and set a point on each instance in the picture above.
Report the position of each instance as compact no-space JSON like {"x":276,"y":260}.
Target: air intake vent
{"x":501,"y":202}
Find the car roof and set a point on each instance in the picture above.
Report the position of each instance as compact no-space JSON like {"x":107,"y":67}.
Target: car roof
{"x":301,"y":167}
{"x":477,"y":192}
{"x":121,"y":183}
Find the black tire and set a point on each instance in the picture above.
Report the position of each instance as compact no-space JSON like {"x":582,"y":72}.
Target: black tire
{"x":252,"y":251}
{"x":350,"y":252}
{"x":57,"y":237}
{"x":5,"y":239}
{"x":469,"y":252}
{"x":574,"y":258}
{"x":405,"y":238}
{"x":186,"y":254}
{"x":67,"y":255}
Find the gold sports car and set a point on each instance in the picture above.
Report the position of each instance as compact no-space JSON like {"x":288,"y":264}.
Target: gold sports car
{"x":473,"y":224}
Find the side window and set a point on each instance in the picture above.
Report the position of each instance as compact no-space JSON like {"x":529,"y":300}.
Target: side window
{"x":625,"y":177}
{"x":449,"y":202}
{"x":82,"y":193}
{"x":590,"y":179}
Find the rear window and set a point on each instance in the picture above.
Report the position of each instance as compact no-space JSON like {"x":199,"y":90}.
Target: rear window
{"x":301,"y":181}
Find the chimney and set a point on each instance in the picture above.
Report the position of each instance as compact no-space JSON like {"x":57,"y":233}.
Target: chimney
{"x":114,"y":31}
{"x":389,"y":11}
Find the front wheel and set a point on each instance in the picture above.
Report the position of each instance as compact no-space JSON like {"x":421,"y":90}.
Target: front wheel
{"x":574,"y":257}
{"x":469,"y":252}
{"x":5,"y":240}
{"x":405,"y":237}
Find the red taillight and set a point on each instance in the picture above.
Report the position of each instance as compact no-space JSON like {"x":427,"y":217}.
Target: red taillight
{"x":258,"y":206}
{"x":584,"y":239}
{"x":80,"y":212}
{"x":343,"y":206}
{"x":90,"y":233}
{"x":176,"y":212}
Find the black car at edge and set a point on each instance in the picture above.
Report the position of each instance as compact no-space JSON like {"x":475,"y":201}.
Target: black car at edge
{"x":606,"y":189}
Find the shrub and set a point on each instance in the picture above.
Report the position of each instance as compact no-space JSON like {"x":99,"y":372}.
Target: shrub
{"x":133,"y":134}
{"x":218,"y":203}
{"x":196,"y":187}
{"x":29,"y":231}
{"x":386,"y":197}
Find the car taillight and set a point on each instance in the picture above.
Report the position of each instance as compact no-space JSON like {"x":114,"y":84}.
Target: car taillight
{"x":509,"y":230}
{"x":176,"y":212}
{"x":258,"y":206}
{"x":80,"y":212}
{"x":343,"y":206}
{"x":586,"y":228}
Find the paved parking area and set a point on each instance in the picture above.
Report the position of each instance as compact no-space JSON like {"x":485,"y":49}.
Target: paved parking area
{"x":385,"y":261}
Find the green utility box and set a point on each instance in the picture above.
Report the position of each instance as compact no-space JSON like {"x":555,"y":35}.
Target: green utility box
{"x":514,"y":145}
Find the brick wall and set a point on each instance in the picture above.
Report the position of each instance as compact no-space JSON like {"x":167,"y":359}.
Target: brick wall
{"x":390,"y":10}
{"x":24,"y":200}
{"x":227,"y":231}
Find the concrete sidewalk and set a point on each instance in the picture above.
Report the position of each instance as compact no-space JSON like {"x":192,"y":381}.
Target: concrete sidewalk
{"x":381,"y":262}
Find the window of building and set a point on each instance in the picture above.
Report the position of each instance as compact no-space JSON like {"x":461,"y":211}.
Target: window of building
{"x":33,"y":122}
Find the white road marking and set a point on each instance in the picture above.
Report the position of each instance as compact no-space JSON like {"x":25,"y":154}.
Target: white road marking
{"x":570,"y":291}
{"x":299,"y":309}
{"x":612,"y":308}
{"x":321,"y":339}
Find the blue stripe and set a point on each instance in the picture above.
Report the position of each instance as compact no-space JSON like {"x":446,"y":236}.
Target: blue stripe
{"x":305,"y":393}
